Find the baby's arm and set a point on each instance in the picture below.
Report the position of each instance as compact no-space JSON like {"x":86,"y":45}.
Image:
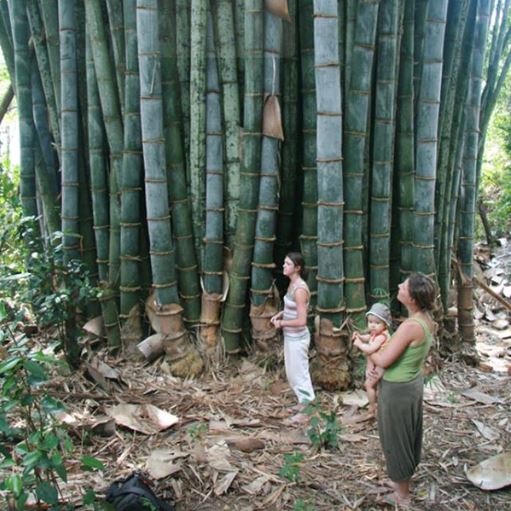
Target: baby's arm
{"x":369,"y":349}
{"x":362,"y":337}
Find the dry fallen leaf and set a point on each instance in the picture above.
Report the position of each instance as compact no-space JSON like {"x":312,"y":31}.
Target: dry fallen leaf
{"x":493,"y":473}
{"x":354,"y":398}
{"x":161,"y":464}
{"x":481,"y":397}
{"x":223,"y":484}
{"x":147,"y":419}
{"x":486,"y":431}
{"x":246,"y":444}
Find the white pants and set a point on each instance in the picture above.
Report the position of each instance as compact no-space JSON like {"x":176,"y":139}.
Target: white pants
{"x":296,"y":361}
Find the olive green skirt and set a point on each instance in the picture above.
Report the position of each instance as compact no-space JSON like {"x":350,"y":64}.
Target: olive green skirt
{"x":400,"y":426}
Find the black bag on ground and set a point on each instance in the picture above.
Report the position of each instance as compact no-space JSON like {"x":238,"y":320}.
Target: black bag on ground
{"x":135,"y":494}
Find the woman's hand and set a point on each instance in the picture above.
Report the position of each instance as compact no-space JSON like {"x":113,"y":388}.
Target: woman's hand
{"x":276,"y":320}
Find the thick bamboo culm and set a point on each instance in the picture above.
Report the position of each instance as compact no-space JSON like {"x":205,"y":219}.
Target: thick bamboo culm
{"x":214,"y":137}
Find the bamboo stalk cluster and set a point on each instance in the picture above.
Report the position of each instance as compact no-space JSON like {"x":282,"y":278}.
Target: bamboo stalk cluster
{"x":184,"y":147}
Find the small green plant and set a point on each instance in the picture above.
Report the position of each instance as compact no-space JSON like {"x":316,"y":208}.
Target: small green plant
{"x":55,"y":291}
{"x":34,"y":444}
{"x":301,"y":505}
{"x":451,"y":397}
{"x":291,"y":468}
{"x":324,"y":428}
{"x":197,"y":431}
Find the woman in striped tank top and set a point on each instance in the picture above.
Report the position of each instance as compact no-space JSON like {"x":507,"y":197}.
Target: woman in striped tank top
{"x":293,"y":321}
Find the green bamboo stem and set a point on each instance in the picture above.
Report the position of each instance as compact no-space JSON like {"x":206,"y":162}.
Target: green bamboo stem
{"x":151,"y":117}
{"x":249,"y":178}
{"x":113,"y":125}
{"x":38,"y":37}
{"x":183,"y":13}
{"x":309,"y":231}
{"x":330,"y":275}
{"x":469,"y":195}
{"x":405,"y":147}
{"x":286,"y":217}
{"x":50,"y":17}
{"x":6,"y":42}
{"x":69,"y":119}
{"x":22,"y":64}
{"x":228,"y":71}
{"x":427,"y":137}
{"x":187,"y":267}
{"x":383,"y":151}
{"x":267,"y":207}
{"x":46,"y":172}
{"x":356,"y":136}
{"x":456,"y":21}
{"x":116,"y":23}
{"x":212,"y":265}
{"x":131,"y":181}
{"x":453,"y":161}
{"x":6,"y":101}
{"x":198,"y":118}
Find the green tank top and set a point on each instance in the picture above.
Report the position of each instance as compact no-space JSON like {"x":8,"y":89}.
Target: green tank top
{"x":409,"y":365}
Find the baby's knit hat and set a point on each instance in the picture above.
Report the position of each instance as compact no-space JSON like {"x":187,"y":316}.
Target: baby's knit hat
{"x":381,"y":311}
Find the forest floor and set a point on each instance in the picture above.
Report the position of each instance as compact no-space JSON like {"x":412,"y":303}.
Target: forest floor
{"x":229,"y":448}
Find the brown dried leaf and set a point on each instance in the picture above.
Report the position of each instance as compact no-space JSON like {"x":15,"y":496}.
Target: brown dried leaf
{"x":147,"y":419}
{"x":223,"y":484}
{"x":95,"y":326}
{"x":161,"y":464}
{"x":278,"y":7}
{"x":272,"y":118}
{"x":246,"y":444}
{"x":481,"y":397}
{"x":493,"y":473}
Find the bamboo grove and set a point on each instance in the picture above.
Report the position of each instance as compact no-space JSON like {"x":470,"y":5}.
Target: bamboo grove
{"x":183,"y":147}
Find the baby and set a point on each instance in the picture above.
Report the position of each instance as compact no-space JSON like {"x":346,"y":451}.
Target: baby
{"x":379,"y":321}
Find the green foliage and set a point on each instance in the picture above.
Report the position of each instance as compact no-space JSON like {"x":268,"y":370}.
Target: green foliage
{"x":495,"y":184}
{"x":34,"y":444}
{"x":12,"y":252}
{"x":324,"y":428}
{"x":291,"y":468}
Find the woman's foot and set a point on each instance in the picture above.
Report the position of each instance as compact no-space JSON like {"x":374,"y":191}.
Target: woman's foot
{"x":298,"y":418}
{"x":395,"y":499}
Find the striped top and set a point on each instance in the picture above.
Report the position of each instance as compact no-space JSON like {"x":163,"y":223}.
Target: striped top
{"x":290,"y":310}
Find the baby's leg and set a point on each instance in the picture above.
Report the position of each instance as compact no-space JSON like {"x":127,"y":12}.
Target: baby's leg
{"x":370,"y":386}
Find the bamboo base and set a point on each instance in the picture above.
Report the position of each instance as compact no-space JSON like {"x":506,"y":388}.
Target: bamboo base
{"x":131,"y":333}
{"x":331,"y":369}
{"x":209,"y":332}
{"x":264,"y":334}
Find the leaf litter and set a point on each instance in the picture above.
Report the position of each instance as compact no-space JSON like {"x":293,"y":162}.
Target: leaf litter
{"x":219,"y":442}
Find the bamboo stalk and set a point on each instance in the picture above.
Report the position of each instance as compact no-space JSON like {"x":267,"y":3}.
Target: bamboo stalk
{"x":356,"y":136}
{"x":198,"y":119}
{"x":186,"y":258}
{"x":228,"y":71}
{"x":249,"y":178}
{"x":469,"y":195}
{"x":383,"y":151}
